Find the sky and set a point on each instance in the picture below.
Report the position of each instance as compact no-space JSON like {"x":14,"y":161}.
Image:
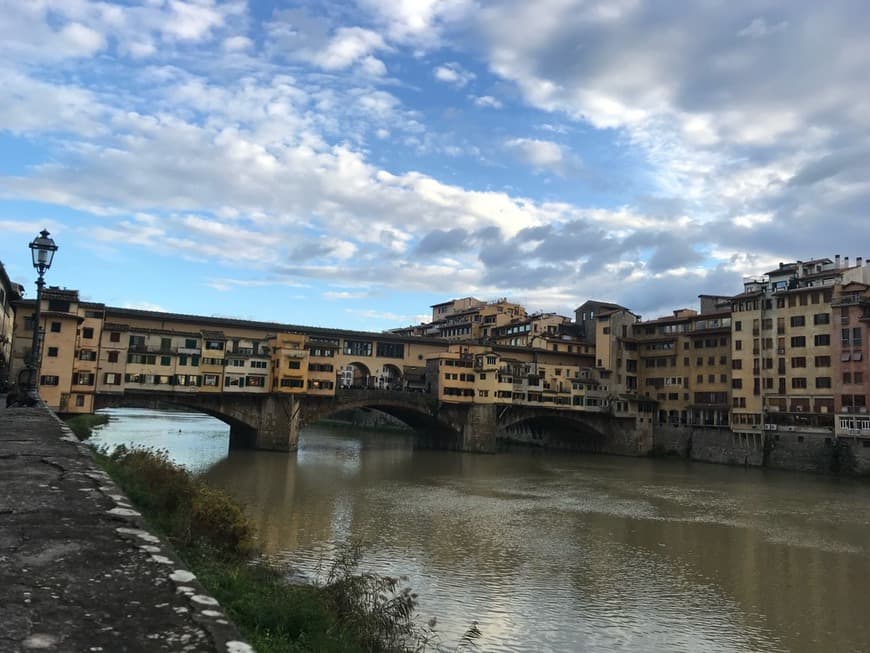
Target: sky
{"x":350,"y":164}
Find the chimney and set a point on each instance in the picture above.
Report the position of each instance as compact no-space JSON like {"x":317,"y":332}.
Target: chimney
{"x":845,"y":261}
{"x":837,"y":261}
{"x":859,"y":261}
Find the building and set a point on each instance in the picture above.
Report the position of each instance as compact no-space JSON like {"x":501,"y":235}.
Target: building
{"x":784,"y":354}
{"x":851,"y":313}
{"x":9,"y":293}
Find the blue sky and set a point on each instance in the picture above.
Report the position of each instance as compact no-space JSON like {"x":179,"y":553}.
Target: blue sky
{"x":349,"y":164}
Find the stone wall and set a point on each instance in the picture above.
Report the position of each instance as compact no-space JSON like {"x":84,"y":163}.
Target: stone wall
{"x":709,"y":445}
{"x":804,"y":451}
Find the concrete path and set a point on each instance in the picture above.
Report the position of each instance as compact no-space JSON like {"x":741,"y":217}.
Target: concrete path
{"x":78,"y":569}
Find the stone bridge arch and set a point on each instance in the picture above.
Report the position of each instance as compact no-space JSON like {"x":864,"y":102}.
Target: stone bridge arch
{"x":568,"y":429}
{"x":435,"y":425}
{"x":255,"y":421}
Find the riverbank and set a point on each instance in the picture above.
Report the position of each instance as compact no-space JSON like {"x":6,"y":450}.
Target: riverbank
{"x":83,"y":425}
{"x":79,"y":570}
{"x":348,"y":611}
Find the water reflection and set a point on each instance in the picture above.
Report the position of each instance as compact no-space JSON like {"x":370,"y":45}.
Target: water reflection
{"x":194,"y":440}
{"x":555,"y":552}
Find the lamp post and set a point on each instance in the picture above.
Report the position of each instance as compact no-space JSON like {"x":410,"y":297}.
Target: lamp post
{"x":42,"y":249}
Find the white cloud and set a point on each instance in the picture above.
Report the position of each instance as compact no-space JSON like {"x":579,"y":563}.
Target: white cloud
{"x":759,"y":28}
{"x":538,"y":153}
{"x":81,"y":39}
{"x":486,"y":101}
{"x":237,"y":43}
{"x":347,"y":47}
{"x":453,"y":74}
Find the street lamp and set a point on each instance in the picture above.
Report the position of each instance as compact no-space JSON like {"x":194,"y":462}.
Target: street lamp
{"x":42,"y":249}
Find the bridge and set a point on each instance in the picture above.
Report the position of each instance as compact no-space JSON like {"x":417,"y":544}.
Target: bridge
{"x":273,"y":421}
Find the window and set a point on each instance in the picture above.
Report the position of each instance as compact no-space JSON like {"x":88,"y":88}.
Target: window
{"x":293,"y":365}
{"x":737,"y":384}
{"x":822,"y":318}
{"x":823,"y":361}
{"x":137,"y":341}
{"x":111,"y":378}
{"x":822,"y":340}
{"x":845,"y":336}
{"x":357,"y":348}
{"x":736,"y":364}
{"x":83,"y":378}
{"x":823,"y":381}
{"x":798,"y":361}
{"x":49,"y":380}
{"x":215,"y":345}
{"x":856,"y":336}
{"x":798,"y":341}
{"x":191,"y":343}
{"x":738,"y":325}
{"x":391,"y":350}
{"x":112,"y":357}
{"x":847,"y":378}
{"x":799,"y":382}
{"x":88,"y":333}
{"x":738,"y":345}
{"x":114,"y":336}
{"x":55,"y":327}
{"x":797,"y":320}
{"x":87,"y":355}
{"x":165,"y":360}
{"x":52,"y":351}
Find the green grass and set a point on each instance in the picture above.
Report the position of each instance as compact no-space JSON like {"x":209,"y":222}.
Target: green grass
{"x":348,"y":612}
{"x":82,"y":425}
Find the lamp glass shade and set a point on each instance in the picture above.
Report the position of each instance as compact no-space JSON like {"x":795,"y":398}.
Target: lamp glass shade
{"x":42,"y":249}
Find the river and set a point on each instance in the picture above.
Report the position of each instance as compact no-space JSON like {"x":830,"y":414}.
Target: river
{"x":557,"y":552}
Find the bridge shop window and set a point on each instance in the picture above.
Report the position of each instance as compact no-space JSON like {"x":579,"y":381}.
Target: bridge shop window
{"x":142,"y":359}
{"x":210,"y":380}
{"x":292,"y":383}
{"x":255,"y":381}
{"x":391,"y":350}
{"x":357,"y":348}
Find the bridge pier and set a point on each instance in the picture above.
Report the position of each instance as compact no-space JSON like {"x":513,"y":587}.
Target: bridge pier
{"x":477,"y":429}
{"x":278,"y":424}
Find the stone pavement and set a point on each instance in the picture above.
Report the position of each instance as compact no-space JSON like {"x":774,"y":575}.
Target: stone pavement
{"x":78,"y":569}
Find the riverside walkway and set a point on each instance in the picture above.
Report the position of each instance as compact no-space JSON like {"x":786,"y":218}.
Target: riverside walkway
{"x":79,"y":571}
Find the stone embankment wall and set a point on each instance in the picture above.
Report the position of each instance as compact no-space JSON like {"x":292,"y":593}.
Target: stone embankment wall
{"x":805,"y":451}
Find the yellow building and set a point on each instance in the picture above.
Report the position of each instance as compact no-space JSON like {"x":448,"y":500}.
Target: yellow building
{"x":289,"y":363}
{"x":9,"y":292}
{"x":782,"y":346}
